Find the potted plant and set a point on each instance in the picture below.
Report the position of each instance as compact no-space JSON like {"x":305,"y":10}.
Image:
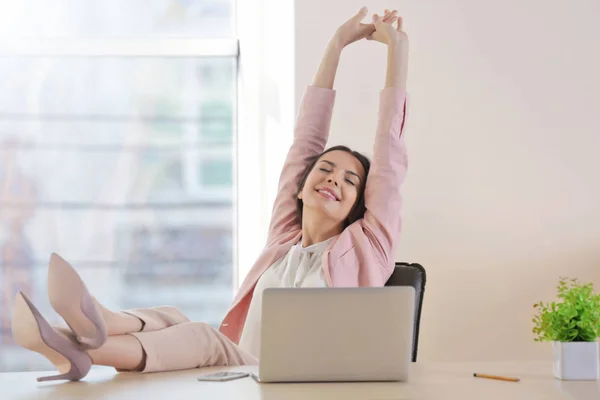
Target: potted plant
{"x":573,"y":325}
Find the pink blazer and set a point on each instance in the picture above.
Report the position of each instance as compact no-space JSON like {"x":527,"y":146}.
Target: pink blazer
{"x":363,"y":254}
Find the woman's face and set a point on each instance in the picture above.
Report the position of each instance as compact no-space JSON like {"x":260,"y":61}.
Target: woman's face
{"x":333,"y":186}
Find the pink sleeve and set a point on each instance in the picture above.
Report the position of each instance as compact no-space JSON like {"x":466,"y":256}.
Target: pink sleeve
{"x":383,"y":201}
{"x":310,"y":137}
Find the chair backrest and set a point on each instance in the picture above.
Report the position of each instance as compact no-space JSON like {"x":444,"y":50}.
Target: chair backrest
{"x":411,"y":274}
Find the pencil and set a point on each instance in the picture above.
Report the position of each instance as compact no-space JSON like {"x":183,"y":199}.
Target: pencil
{"x":500,"y":378}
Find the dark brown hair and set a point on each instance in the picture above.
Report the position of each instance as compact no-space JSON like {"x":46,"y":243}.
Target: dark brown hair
{"x":358,"y":210}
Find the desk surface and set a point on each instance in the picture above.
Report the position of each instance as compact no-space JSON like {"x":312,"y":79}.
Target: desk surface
{"x":446,"y":381}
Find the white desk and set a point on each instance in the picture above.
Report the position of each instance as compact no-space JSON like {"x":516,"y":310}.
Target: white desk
{"x":428,"y":381}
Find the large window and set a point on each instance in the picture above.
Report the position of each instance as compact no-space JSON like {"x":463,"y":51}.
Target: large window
{"x":117,"y":130}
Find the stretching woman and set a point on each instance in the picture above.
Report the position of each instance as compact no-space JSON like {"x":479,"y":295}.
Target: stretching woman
{"x":335,"y":223}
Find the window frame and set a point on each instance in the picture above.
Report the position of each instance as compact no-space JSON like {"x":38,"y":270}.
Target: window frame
{"x":119,"y":47}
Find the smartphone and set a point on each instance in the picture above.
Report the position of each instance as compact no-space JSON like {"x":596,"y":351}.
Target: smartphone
{"x":223,"y":376}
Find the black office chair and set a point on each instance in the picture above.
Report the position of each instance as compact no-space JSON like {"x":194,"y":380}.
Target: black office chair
{"x":407,"y":274}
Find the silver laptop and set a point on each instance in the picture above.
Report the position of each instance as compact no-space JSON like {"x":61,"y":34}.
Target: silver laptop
{"x":336,"y":334}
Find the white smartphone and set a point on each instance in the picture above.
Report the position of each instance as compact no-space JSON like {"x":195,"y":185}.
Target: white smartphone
{"x":223,"y":376}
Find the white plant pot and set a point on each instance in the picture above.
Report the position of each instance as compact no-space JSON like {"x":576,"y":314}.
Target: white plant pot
{"x":576,"y":361}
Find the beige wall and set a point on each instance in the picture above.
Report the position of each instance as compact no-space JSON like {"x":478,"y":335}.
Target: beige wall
{"x":503,"y":193}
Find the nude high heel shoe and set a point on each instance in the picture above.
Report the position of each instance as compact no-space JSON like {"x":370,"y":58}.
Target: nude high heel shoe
{"x":71,"y":300}
{"x":31,"y":331}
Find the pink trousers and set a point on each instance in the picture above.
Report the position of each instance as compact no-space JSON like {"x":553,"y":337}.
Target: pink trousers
{"x":172,"y":342}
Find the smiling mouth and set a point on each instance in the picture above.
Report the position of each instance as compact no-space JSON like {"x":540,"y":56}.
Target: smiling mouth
{"x":327,"y":195}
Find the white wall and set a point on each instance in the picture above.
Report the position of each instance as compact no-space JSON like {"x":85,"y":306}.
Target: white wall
{"x":503,"y":192}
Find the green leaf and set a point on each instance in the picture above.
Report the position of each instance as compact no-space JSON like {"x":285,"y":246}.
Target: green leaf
{"x":576,"y":317}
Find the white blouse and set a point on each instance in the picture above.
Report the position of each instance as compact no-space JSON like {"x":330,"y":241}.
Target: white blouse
{"x":300,"y":267}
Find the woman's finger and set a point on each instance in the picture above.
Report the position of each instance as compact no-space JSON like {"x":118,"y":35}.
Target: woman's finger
{"x":399,"y":27}
{"x":388,"y":17}
{"x":361,"y":13}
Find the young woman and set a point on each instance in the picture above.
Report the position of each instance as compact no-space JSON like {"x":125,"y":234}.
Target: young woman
{"x":335,"y":223}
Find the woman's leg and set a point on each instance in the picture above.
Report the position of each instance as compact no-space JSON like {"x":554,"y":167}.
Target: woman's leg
{"x":119,"y":323}
{"x":182,"y":346}
{"x":123,"y":352}
{"x":140,"y":319}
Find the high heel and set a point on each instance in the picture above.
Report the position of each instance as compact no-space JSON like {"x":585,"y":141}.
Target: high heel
{"x":31,"y":331}
{"x":71,"y":300}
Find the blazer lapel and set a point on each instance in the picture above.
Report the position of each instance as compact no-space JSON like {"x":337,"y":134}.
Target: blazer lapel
{"x":265,"y":260}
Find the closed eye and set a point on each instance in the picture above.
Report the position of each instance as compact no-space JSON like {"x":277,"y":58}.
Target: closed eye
{"x":324,"y":169}
{"x":350,"y":182}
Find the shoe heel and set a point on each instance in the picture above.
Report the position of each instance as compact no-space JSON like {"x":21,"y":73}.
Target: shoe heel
{"x":33,"y":332}
{"x":71,"y":375}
